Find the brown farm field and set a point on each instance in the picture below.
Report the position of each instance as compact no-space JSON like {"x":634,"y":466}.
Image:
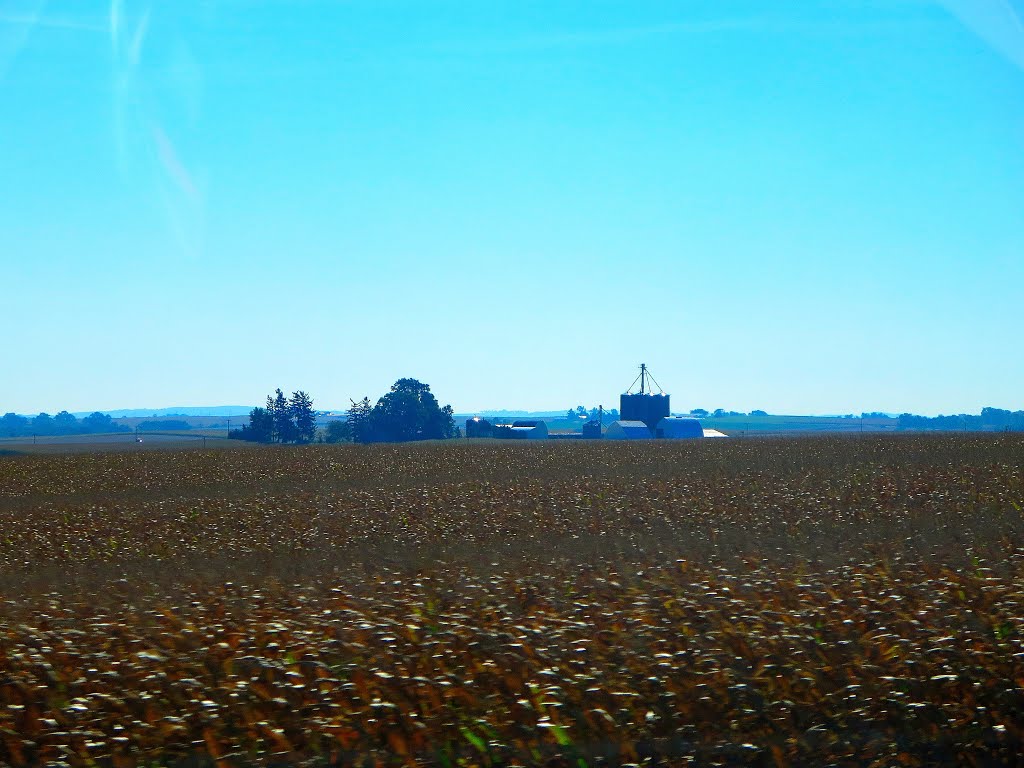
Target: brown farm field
{"x":119,"y":441}
{"x":834,"y":600}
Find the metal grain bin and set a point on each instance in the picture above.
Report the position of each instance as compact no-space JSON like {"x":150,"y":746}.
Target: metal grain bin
{"x":650,"y":409}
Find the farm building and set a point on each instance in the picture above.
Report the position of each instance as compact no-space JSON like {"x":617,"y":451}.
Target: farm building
{"x":477,"y":427}
{"x":644,"y":405}
{"x":522,"y":430}
{"x":627,"y":430}
{"x":678,"y":428}
{"x":645,"y":415}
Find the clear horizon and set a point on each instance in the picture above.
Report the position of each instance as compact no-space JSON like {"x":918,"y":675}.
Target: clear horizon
{"x":485,"y":411}
{"x":804,"y":208}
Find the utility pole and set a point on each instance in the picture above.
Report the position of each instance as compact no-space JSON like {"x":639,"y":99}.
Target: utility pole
{"x":643,"y":375}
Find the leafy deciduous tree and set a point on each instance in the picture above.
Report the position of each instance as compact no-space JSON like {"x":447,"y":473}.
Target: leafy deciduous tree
{"x":98,"y":422}
{"x":13,"y":425}
{"x":65,"y":423}
{"x":411,"y":412}
{"x":260,"y":428}
{"x":338,"y":432}
{"x":43,"y":424}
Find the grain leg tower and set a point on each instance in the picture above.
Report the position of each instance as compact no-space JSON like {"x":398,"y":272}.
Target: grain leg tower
{"x":645,"y":405}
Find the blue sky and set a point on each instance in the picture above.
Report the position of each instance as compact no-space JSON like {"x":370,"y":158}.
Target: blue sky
{"x":805,"y":207}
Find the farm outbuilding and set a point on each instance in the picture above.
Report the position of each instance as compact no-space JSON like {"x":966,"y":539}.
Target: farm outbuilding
{"x":679,"y":428}
{"x":522,"y":430}
{"x":477,"y":427}
{"x":627,"y":430}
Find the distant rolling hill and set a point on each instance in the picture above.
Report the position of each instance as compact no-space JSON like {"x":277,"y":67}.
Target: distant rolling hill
{"x":204,"y":410}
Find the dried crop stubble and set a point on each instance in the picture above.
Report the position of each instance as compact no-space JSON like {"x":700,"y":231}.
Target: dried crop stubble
{"x":772,"y":602}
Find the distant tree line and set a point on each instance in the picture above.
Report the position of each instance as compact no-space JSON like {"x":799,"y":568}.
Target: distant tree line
{"x":283,"y":420}
{"x":582,"y":414}
{"x":721,"y":413}
{"x":990,"y":419}
{"x":408,"y":412}
{"x":64,"y":423}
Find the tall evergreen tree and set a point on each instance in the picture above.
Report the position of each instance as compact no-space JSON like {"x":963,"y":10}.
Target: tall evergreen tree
{"x":271,"y":410}
{"x":360,"y":421}
{"x":284,"y":429}
{"x":300,"y":408}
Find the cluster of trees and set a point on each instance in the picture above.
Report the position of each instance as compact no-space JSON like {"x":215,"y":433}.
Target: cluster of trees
{"x":582,"y":414}
{"x":283,"y":420}
{"x":719,"y":413}
{"x":867,"y":415}
{"x":990,"y":419}
{"x":64,"y":423}
{"x":408,"y":412}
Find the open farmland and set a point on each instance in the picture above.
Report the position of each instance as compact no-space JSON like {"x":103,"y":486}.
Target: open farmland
{"x":118,"y":441}
{"x":828,"y":600}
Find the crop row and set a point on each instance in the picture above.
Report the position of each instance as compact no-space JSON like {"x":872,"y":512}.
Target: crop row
{"x":827,"y":601}
{"x":861,"y":663}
